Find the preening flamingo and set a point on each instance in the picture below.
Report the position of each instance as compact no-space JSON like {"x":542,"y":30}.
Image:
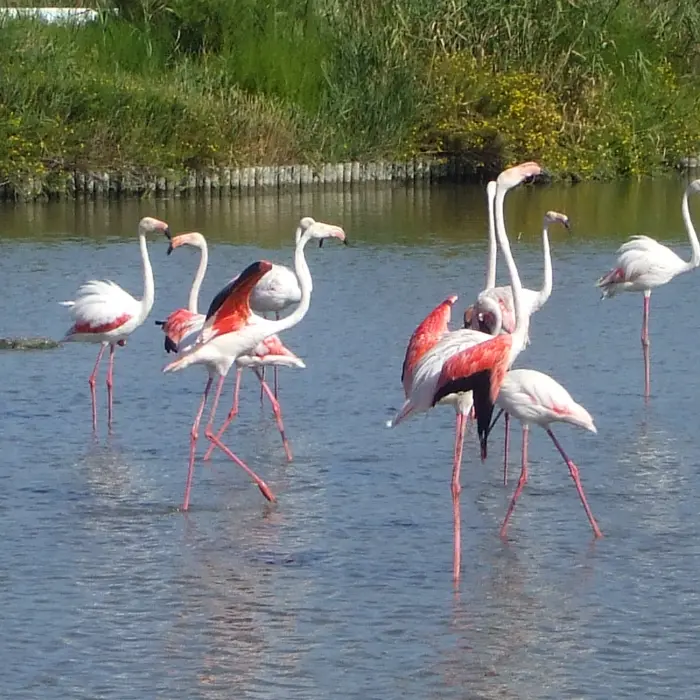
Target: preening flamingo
{"x":481,"y":315}
{"x":465,"y":368}
{"x":183,"y":323}
{"x":232,"y":330}
{"x":104,"y":313}
{"x":644,"y":264}
{"x":534,"y":398}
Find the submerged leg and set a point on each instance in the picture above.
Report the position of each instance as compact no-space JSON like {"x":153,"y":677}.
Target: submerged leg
{"x":91,"y":382}
{"x":456,"y":489}
{"x":264,"y":488}
{"x":110,"y":384}
{"x":645,"y":344}
{"x":231,"y":414}
{"x":194,"y":434}
{"x":506,"y":448}
{"x":276,"y":409}
{"x":521,"y":482}
{"x":573,"y":470}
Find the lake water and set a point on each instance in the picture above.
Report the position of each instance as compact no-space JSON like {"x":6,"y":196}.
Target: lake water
{"x":343,"y":589}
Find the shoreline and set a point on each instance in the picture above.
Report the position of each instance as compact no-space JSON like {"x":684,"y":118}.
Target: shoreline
{"x":230,"y":182}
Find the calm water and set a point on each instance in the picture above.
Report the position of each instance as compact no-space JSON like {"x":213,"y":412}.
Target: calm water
{"x":343,"y":589}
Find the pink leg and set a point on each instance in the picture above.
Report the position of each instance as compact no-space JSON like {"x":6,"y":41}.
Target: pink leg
{"x":276,"y":381}
{"x":194,"y":434}
{"x":573,"y":470}
{"x":645,"y":345}
{"x":264,"y":488}
{"x":262,"y":393}
{"x":506,"y":449}
{"x":231,"y":414}
{"x":278,"y":415}
{"x":521,"y":482}
{"x":110,"y":384}
{"x":91,"y":382}
{"x":456,"y":489}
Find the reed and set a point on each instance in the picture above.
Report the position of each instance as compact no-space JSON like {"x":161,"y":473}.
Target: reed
{"x":596,"y":88}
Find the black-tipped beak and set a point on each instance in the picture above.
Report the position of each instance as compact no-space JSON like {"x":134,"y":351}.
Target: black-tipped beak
{"x":167,"y":233}
{"x":170,"y":249}
{"x":567,"y":226}
{"x":320,"y":243}
{"x":345,"y":241}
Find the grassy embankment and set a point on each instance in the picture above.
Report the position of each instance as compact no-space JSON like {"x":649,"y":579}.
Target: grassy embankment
{"x":595,"y":88}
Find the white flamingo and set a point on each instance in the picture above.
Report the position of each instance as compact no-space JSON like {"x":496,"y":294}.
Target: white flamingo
{"x":104,"y":313}
{"x":644,"y":264}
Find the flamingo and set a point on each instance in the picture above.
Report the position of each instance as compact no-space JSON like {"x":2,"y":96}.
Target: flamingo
{"x":534,"y":398}
{"x":276,"y":291}
{"x":481,"y":317}
{"x":182,"y":323}
{"x":466,"y":367}
{"x":104,"y":313}
{"x":231,"y":330}
{"x":644,"y":264}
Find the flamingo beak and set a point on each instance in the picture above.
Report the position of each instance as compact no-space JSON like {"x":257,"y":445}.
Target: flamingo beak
{"x":170,"y":249}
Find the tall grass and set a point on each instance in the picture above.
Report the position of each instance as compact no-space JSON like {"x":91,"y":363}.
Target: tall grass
{"x":594,"y":88}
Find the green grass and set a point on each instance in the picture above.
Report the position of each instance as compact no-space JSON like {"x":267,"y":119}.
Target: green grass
{"x":598,"y":88}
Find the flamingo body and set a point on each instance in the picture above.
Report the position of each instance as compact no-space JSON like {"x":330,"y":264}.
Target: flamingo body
{"x":276,"y":290}
{"x":534,"y":398}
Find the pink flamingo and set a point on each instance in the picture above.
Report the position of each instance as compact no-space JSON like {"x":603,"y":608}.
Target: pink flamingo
{"x":644,"y":264}
{"x":535,"y":398}
{"x":483,"y":317}
{"x":232,"y":330}
{"x":465,"y":368}
{"x":182,"y":323}
{"x":104,"y":313}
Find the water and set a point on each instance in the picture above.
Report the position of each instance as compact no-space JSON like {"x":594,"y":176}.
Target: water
{"x":343,"y":589}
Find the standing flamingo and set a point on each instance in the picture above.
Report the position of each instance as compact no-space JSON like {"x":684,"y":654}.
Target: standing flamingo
{"x":644,"y":264}
{"x":104,"y":313}
{"x":482,"y":317}
{"x":465,"y":368}
{"x":182,"y":323}
{"x":231,"y":330}
{"x":535,"y":398}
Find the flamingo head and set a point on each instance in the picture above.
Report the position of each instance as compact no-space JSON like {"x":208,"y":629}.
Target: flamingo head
{"x":525,"y":172}
{"x":552,"y":217}
{"x":321,"y":231}
{"x":150,"y":225}
{"x":694,"y":186}
{"x":194,"y":239}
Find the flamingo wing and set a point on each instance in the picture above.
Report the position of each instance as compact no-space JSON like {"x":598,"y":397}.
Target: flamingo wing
{"x":426,"y":335}
{"x":480,"y":369}
{"x":230,"y":308}
{"x":179,"y":324}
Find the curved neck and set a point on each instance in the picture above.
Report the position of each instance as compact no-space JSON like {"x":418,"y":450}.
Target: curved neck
{"x":148,"y":284}
{"x":491,"y":259}
{"x":546,"y":290}
{"x":692,"y":235}
{"x":199,"y":276}
{"x":304,"y":277}
{"x":522,"y":319}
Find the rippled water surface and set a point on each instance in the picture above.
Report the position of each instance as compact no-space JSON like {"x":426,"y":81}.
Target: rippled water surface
{"x":343,"y":588}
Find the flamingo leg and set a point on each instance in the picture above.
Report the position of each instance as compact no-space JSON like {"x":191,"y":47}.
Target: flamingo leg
{"x":573,"y":470}
{"x":110,"y":384}
{"x":231,"y":414}
{"x":209,"y":433}
{"x":456,"y":489}
{"x":521,"y":481}
{"x":91,"y":381}
{"x":506,"y":449}
{"x":645,"y":344}
{"x":262,"y":393}
{"x":194,"y":434}
{"x":276,"y":409}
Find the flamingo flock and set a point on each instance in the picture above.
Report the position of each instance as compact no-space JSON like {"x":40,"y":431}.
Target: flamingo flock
{"x":470,"y":369}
